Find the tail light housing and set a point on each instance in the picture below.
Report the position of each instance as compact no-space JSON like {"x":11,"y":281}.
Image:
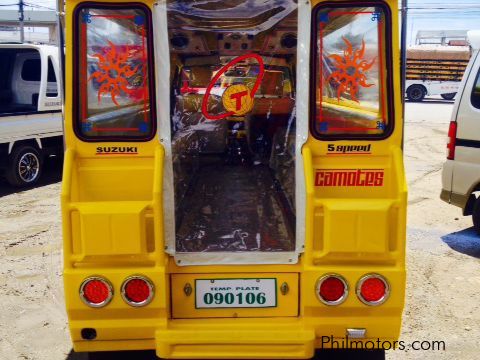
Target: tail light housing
{"x":373,"y":289}
{"x":452,"y":138}
{"x":332,"y":289}
{"x":96,"y":291}
{"x":137,"y":291}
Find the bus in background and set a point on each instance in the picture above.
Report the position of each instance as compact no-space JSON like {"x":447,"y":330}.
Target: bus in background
{"x":233,"y":182}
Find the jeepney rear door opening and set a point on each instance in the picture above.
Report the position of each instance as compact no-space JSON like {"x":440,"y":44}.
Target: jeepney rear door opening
{"x":233,"y":127}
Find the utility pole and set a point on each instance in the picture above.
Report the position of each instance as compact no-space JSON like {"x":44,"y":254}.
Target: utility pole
{"x":21,"y":18}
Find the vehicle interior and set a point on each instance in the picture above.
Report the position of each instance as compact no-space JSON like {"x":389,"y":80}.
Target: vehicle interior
{"x":234,"y":175}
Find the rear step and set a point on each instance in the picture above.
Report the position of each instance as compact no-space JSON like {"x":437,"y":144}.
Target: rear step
{"x":268,"y":342}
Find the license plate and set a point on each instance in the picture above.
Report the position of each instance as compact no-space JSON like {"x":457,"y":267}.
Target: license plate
{"x":235,"y":293}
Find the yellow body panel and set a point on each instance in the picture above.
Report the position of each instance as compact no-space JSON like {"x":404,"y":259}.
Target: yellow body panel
{"x":113,"y":227}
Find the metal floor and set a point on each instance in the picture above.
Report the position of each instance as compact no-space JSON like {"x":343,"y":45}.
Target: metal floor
{"x":235,"y":208}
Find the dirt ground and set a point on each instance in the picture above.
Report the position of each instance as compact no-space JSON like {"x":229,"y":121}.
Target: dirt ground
{"x":443,"y":290}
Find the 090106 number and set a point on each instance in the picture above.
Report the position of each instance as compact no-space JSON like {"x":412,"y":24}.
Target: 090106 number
{"x":230,"y":298}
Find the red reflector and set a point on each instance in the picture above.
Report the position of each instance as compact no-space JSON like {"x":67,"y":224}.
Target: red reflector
{"x":332,"y":289}
{"x":137,"y":291}
{"x":452,"y":138}
{"x":373,"y":289}
{"x":96,"y":292}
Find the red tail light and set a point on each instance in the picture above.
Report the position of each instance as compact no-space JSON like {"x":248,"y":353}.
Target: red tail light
{"x":332,"y":289}
{"x":96,"y":292}
{"x":373,"y":289}
{"x":137,"y":291}
{"x":452,"y":138}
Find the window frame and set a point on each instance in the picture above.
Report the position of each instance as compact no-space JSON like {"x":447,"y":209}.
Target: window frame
{"x":389,"y":93}
{"x":76,"y":118}
{"x":475,"y":98}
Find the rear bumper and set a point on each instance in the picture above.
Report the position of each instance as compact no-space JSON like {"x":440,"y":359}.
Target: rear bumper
{"x":236,"y":342}
{"x":459,"y":200}
{"x":275,"y":338}
{"x":121,"y":327}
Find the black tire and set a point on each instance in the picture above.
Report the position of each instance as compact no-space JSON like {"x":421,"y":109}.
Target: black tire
{"x":25,"y":165}
{"x":416,"y":93}
{"x":449,"y":96}
{"x":476,"y":215}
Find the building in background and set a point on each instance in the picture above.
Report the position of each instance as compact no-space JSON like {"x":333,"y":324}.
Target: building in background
{"x":40,"y":26}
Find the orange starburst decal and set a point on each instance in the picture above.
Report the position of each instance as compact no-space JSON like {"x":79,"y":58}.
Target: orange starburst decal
{"x":351,"y":70}
{"x":113,"y":72}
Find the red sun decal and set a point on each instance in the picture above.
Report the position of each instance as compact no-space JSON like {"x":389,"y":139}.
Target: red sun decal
{"x":113,"y":72}
{"x":351,"y":70}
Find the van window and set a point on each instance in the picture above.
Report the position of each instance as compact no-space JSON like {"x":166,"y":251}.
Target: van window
{"x":475,"y":98}
{"x":351,"y":73}
{"x":51,"y":72}
{"x":52,"y":88}
{"x":113,"y":73}
{"x":31,"y":70}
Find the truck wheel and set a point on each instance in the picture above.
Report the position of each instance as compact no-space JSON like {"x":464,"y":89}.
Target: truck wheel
{"x":449,"y":96}
{"x":25,"y":166}
{"x":476,"y":215}
{"x":416,"y":93}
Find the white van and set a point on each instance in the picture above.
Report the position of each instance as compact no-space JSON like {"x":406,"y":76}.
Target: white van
{"x":461,"y":171}
{"x":30,"y":110}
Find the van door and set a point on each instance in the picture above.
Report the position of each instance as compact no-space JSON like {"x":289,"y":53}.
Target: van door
{"x":467,"y":146}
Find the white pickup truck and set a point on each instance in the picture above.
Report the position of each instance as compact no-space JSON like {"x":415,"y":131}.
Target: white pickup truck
{"x":30,"y":110}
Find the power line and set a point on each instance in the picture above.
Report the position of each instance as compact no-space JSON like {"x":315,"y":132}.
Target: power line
{"x":38,"y":6}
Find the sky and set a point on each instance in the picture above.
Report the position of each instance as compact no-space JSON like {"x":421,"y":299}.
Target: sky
{"x":458,"y":15}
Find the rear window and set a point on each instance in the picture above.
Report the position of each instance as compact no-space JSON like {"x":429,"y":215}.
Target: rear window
{"x":351,"y":87}
{"x":475,"y":98}
{"x":114,"y":74}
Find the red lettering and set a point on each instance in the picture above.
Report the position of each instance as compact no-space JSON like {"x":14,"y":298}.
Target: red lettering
{"x":238,"y":98}
{"x":369,"y":178}
{"x":349,"y":178}
{"x":379,"y":179}
{"x":319,"y":178}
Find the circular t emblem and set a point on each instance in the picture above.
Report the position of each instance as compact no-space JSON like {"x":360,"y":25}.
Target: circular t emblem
{"x":237,"y":99}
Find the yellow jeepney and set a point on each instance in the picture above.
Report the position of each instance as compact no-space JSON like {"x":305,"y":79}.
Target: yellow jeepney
{"x":233,"y":183}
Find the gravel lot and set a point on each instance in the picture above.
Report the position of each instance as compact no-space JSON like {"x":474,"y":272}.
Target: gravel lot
{"x":443,"y":290}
